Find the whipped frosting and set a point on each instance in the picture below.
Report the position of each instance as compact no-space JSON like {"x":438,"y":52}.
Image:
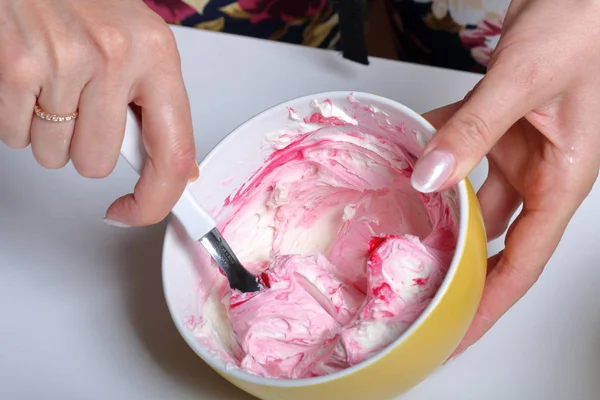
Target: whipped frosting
{"x":349,"y":254}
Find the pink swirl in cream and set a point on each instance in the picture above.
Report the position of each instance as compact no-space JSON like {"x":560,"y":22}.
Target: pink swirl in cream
{"x":350,"y":254}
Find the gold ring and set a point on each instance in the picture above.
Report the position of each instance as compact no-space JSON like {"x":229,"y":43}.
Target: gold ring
{"x":54,"y":117}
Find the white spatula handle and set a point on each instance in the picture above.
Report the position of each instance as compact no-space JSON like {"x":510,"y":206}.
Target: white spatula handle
{"x":196,"y":221}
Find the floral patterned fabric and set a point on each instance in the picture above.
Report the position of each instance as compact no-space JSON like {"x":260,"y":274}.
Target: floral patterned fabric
{"x":458,"y":34}
{"x":308,"y":22}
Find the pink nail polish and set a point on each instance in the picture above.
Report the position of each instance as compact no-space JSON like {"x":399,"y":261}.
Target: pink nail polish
{"x":432,"y":171}
{"x":118,"y":224}
{"x":448,"y":361}
{"x":195,"y":174}
{"x":454,"y":357}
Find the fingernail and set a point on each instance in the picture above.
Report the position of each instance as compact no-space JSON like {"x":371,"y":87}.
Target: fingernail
{"x":449,"y":360}
{"x":118,"y":224}
{"x":432,"y":171}
{"x":195,"y":174}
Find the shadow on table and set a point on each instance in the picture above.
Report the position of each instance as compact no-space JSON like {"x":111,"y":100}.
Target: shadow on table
{"x":154,"y":326}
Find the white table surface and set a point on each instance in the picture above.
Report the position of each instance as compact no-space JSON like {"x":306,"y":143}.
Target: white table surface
{"x":81,"y":304}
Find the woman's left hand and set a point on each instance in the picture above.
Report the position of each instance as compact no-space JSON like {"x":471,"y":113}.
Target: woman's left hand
{"x":536,"y":116}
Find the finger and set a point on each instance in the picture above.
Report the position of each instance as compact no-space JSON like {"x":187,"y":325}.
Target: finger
{"x":19,"y":79}
{"x":194,"y":174}
{"x":168,"y":138}
{"x":529,"y":245}
{"x":16,"y":110}
{"x":499,"y":201}
{"x":99,"y":128}
{"x":50,"y":141}
{"x":492,"y":262}
{"x":195,"y":169}
{"x":440,"y":116}
{"x":492,"y":108}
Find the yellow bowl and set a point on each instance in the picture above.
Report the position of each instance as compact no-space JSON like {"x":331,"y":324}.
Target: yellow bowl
{"x":404,"y":363}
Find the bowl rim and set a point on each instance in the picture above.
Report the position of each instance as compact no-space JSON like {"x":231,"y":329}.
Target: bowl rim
{"x":235,"y":372}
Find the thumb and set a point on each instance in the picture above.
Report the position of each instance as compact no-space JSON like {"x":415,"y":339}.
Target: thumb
{"x":493,"y":106}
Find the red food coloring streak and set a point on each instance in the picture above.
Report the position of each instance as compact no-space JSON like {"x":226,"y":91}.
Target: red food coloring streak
{"x":236,"y":304}
{"x":374,"y":261}
{"x":293,"y":152}
{"x":382,"y":292}
{"x":265,"y":279}
{"x":318,"y":118}
{"x":375,"y":242}
{"x":420,"y":281}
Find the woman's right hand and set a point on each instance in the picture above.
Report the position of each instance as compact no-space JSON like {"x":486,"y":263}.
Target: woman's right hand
{"x":97,"y":57}
{"x":535,"y":117}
